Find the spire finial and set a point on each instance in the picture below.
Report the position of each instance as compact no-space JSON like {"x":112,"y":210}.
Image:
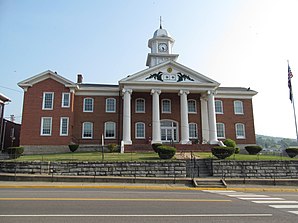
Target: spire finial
{"x":160,"y":25}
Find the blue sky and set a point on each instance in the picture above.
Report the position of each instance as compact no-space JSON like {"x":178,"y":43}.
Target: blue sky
{"x":235,"y":42}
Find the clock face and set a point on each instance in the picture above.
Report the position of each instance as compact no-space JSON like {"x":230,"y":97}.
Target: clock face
{"x":162,"y":47}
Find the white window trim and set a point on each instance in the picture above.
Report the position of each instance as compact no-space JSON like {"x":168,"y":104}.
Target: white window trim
{"x":237,"y":136}
{"x":92,"y":105}
{"x":196,"y":137}
{"x":136,"y":130}
{"x":162,"y":109}
{"x":66,"y":134}
{"x":83,"y":128}
{"x":62,"y":104}
{"x":43,"y":101}
{"x":238,"y":113}
{"x":195,"y":112}
{"x":114,"y":137}
{"x":41,"y":126}
{"x":107,"y":105}
{"x":221,"y":103}
{"x":224,"y":130}
{"x":137,"y":107}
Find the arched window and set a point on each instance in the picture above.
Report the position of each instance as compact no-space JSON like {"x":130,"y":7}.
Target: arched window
{"x":110,"y":130}
{"x":240,"y":131}
{"x":110,"y":105}
{"x":218,"y":107}
{"x":88,"y":105}
{"x":220,"y":127}
{"x":193,"y":130}
{"x":192,"y":106}
{"x":166,"y":105}
{"x":87,"y":131}
{"x":140,"y":105}
{"x":238,"y":107}
{"x":140,"y":130}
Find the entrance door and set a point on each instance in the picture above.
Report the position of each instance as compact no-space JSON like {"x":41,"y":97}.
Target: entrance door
{"x":168,"y":131}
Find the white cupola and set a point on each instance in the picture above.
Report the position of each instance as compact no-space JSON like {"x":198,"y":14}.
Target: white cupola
{"x":161,"y":45}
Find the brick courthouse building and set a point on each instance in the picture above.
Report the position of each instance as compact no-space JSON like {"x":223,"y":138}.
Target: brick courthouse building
{"x":165,"y":103}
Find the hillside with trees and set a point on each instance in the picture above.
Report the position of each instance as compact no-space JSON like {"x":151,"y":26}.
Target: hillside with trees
{"x":270,"y":142}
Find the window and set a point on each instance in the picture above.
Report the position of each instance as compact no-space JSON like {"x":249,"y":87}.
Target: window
{"x":87,"y":130}
{"x":220,"y":127}
{"x":140,"y":130}
{"x":192,"y":106}
{"x":240,"y":131}
{"x":166,"y":106}
{"x":88,"y":104}
{"x":64,"y":126}
{"x":110,"y":130}
{"x":193,"y":131}
{"x":110,"y":105}
{"x":238,"y":107}
{"x":140,"y":105}
{"x":48,"y":98}
{"x":46,"y":126}
{"x":218,"y":107}
{"x":65,"y":100}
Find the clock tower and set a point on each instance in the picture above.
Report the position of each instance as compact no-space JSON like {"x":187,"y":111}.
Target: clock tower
{"x":161,"y":45}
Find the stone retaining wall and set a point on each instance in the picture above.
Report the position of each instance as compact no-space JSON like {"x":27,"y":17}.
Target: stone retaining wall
{"x":255,"y":169}
{"x":125,"y":169}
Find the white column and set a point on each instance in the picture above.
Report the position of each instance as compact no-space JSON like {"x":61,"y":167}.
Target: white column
{"x":212,"y":119}
{"x":126,"y":116}
{"x":184,"y":117}
{"x":204,"y":118}
{"x":156,"y":137}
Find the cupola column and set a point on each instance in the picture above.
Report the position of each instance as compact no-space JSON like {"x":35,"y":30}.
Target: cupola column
{"x":156,"y":137}
{"x":127,"y":116}
{"x":184,"y":117}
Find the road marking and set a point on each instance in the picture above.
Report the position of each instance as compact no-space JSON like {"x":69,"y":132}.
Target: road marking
{"x":283,"y":206}
{"x":261,"y":198}
{"x":107,"y":199}
{"x":294,"y":212}
{"x":275,"y":202}
{"x":248,"y":195}
{"x":158,"y":215}
{"x":219,"y":191}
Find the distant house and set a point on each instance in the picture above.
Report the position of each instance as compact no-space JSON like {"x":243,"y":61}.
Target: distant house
{"x":9,"y":131}
{"x":164,"y":103}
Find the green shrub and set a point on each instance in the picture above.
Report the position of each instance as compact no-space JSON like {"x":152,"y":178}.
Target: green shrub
{"x":155,"y":146}
{"x":253,"y":150}
{"x":14,"y":152}
{"x":73,"y":147}
{"x":166,"y":152}
{"x":237,"y":150}
{"x":230,"y":143}
{"x":292,"y":152}
{"x":113,"y":148}
{"x":222,"y":152}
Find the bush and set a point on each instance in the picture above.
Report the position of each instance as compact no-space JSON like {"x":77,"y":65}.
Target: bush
{"x":292,"y":152}
{"x":230,"y":143}
{"x":166,"y":152}
{"x":222,"y":152}
{"x":155,"y":146}
{"x":237,"y":150}
{"x":253,"y":150}
{"x":73,"y":147}
{"x":113,"y":148}
{"x":14,"y":152}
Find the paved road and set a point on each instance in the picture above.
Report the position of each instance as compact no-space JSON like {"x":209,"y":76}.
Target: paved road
{"x":120,"y":205}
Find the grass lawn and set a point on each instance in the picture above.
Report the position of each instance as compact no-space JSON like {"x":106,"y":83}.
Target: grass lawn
{"x":91,"y":156}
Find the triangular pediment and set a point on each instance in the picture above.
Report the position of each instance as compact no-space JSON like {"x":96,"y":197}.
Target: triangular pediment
{"x":169,"y":72}
{"x":43,"y":76}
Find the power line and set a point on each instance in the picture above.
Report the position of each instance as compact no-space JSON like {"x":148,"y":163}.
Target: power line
{"x":11,"y":89}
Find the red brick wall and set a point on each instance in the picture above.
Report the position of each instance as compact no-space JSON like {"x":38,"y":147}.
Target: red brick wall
{"x":230,"y":119}
{"x":32,"y":113}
